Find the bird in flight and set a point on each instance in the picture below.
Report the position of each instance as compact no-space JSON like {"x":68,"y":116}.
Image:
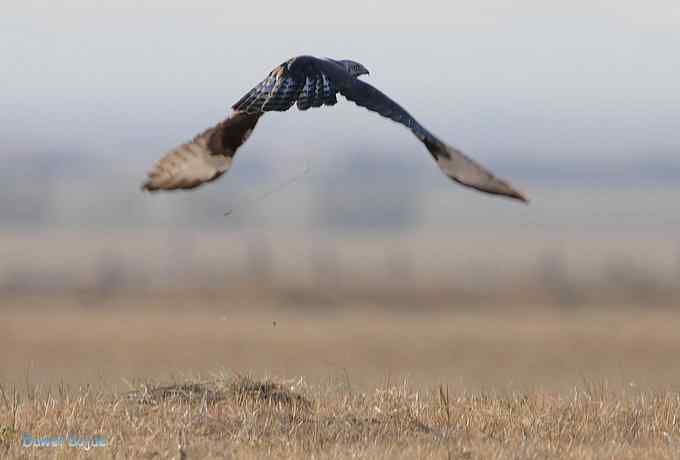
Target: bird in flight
{"x":308,"y":82}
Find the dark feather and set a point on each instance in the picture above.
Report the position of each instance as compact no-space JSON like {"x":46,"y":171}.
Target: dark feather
{"x":304,"y":80}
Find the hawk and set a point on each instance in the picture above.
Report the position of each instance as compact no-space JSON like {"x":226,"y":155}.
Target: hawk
{"x":307,"y":81}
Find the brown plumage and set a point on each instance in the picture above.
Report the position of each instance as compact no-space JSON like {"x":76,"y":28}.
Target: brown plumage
{"x":205,"y":158}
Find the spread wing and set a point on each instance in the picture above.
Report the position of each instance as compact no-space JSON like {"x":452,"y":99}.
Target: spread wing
{"x":205,"y":158}
{"x":209,"y":155}
{"x":451,"y":161}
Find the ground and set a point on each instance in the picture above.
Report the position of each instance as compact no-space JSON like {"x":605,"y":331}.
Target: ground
{"x":170,"y":379}
{"x":237,"y":417}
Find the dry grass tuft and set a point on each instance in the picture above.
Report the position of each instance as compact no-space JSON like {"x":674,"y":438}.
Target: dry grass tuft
{"x":246,"y":388}
{"x":180,"y":392}
{"x":239,"y":388}
{"x":241,"y":417}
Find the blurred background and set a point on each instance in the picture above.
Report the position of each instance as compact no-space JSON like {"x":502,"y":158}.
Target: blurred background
{"x":337,"y":211}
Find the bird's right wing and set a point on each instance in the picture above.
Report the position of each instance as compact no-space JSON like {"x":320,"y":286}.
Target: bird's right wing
{"x":450,"y":160}
{"x":205,"y":158}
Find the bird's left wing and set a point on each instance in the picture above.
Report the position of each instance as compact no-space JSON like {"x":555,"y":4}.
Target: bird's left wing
{"x":450,"y":160}
{"x":205,"y":158}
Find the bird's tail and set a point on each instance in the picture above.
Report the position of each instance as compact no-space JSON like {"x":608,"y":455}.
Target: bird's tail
{"x":468,"y":172}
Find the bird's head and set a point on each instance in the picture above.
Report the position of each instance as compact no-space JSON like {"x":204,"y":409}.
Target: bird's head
{"x":354,"y":68}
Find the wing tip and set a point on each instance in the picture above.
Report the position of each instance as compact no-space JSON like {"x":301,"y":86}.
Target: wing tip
{"x":149,"y":186}
{"x":169,"y":183}
{"x":503,"y":188}
{"x":495,"y":186}
{"x":514,"y":194}
{"x":522,"y":198}
{"x":469,"y":173}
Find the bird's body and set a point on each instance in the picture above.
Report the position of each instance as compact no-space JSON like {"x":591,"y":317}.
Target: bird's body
{"x":307,"y":82}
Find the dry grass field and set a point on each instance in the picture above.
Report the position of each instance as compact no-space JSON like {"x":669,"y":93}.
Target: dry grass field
{"x":237,"y":417}
{"x":172,"y":377}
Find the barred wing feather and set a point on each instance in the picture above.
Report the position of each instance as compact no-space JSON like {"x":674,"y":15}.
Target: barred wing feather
{"x":204,"y":159}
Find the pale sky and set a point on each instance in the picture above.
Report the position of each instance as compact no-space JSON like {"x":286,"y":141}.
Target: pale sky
{"x":532,"y":79}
